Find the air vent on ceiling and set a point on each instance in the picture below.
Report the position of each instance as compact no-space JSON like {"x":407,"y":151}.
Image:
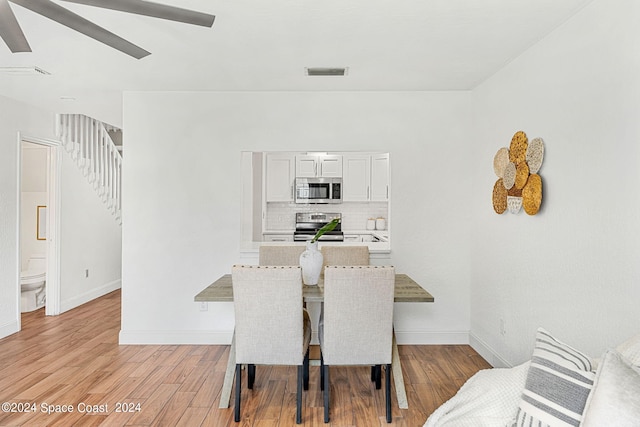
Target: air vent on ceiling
{"x":325,"y":71}
{"x":23,"y":71}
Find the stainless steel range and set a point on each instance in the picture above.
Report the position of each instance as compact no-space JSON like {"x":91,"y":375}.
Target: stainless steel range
{"x":308,"y":224}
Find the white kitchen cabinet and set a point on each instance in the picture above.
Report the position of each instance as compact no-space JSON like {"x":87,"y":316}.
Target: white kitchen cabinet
{"x":356,"y":178}
{"x":366,"y":178}
{"x":279,"y":177}
{"x":380,"y":177}
{"x":318,"y":166}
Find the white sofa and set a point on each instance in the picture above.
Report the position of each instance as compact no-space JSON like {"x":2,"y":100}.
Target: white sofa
{"x":559,"y":386}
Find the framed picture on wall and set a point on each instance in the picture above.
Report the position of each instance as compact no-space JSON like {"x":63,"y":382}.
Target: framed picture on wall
{"x":42,"y":223}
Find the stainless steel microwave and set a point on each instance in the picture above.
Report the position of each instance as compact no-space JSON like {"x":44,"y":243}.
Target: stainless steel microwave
{"x":318,"y":190}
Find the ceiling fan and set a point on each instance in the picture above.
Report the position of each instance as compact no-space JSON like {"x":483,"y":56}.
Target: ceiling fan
{"x":15,"y":39}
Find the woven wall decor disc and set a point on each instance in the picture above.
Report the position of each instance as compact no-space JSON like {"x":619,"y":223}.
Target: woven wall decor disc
{"x":509,"y":176}
{"x":500,"y":161}
{"x":532,"y":194}
{"x":535,"y":154}
{"x":518,"y":147}
{"x":522,"y":175}
{"x":514,"y":192}
{"x":514,"y":204}
{"x":499,"y":197}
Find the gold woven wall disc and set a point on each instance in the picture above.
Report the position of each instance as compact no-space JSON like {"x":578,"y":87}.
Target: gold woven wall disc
{"x":514,"y":192}
{"x":522,"y":175}
{"x":499,"y":197}
{"x":532,"y":194}
{"x":518,"y":148}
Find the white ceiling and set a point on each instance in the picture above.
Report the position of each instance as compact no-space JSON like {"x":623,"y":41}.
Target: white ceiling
{"x":400,"y":45}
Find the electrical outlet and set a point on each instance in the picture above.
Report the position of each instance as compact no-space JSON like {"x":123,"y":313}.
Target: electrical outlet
{"x":204,"y":306}
{"x":503,"y":327}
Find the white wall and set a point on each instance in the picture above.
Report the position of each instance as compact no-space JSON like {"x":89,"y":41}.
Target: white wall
{"x":88,"y":239}
{"x":29,"y":244}
{"x":182,"y":202}
{"x":14,"y":117}
{"x":573,"y":268}
{"x":91,"y":239}
{"x":33,"y":187}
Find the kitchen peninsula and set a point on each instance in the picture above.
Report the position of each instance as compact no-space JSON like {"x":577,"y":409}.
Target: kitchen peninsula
{"x":281,"y":187}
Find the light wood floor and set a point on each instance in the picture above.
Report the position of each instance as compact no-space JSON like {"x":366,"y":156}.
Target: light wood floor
{"x":74,"y":359}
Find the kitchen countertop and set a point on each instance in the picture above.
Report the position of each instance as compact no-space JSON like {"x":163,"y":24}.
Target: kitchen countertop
{"x":381,"y":247}
{"x":380,"y":234}
{"x":249,"y":248}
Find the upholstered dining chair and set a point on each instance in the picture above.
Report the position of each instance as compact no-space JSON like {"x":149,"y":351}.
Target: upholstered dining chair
{"x":357,"y":327}
{"x":272,"y":328}
{"x":280,"y":255}
{"x":344,"y":255}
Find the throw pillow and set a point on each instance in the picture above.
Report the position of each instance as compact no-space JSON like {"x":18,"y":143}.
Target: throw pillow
{"x":630,"y":349}
{"x":615,"y":400}
{"x":558,"y":384}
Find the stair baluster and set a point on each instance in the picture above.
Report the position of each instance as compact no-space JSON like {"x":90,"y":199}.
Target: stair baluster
{"x":90,"y":146}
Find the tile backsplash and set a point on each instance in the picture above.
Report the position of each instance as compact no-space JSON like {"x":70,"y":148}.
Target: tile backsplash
{"x":282,"y":216}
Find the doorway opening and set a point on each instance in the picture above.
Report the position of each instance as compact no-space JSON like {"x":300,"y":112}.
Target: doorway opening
{"x":38,"y":219}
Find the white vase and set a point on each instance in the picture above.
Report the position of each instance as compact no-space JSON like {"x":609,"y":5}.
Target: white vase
{"x":311,"y":264}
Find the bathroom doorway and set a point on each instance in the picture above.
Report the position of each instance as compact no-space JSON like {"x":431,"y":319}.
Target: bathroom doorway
{"x":38,"y":179}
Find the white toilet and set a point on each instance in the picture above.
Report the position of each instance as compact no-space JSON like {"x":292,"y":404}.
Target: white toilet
{"x":32,"y":283}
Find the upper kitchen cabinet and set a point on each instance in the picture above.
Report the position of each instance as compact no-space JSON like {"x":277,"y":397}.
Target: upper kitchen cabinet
{"x":318,"y":166}
{"x":380,"y":177}
{"x":357,"y":176}
{"x":280,"y":175}
{"x":366,"y":178}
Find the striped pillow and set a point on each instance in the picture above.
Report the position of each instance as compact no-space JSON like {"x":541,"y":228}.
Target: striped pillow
{"x":559,"y":381}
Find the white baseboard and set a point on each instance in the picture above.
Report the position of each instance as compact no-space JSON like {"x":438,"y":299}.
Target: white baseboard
{"x":9,"y":329}
{"x":432,"y":337}
{"x":488,"y":353}
{"x":224,"y":337}
{"x":90,"y":295}
{"x":175,"y":338}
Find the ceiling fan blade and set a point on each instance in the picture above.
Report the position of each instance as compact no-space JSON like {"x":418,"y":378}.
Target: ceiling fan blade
{"x":10,"y":30}
{"x":76,"y":22}
{"x":147,"y":8}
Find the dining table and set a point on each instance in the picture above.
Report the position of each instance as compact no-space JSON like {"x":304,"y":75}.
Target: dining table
{"x":406,"y":290}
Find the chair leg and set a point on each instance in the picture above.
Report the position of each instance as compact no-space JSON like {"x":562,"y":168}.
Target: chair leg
{"x":377,"y":376}
{"x":251,"y":375}
{"x":236,"y":411}
{"x":305,"y":365}
{"x":326,"y":393}
{"x":387,"y":380}
{"x":299,"y":394}
{"x":321,"y":372}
